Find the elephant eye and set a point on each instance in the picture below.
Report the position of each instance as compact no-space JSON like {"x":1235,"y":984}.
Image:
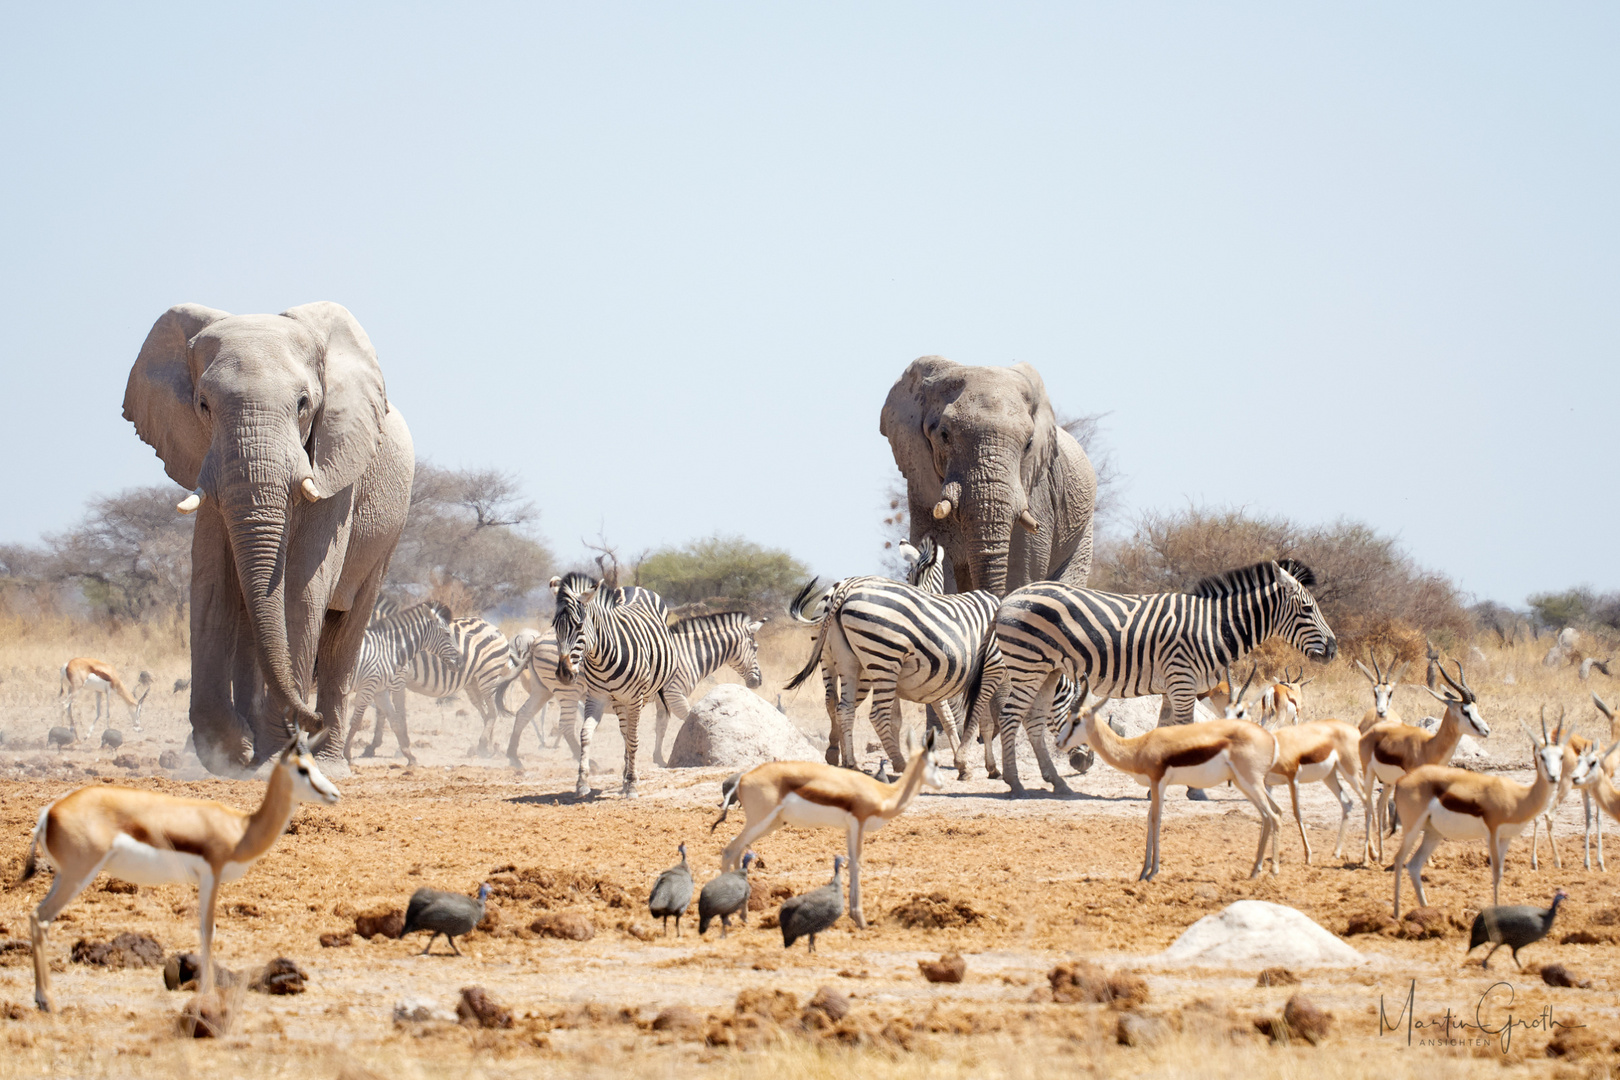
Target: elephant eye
{"x":203,"y":404}
{"x":303,"y":403}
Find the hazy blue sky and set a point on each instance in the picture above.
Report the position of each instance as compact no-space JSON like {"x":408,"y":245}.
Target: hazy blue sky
{"x":665,"y":261}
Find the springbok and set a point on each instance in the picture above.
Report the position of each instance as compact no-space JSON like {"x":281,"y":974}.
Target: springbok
{"x":815,"y":795}
{"x":1391,"y":749}
{"x":1592,"y":817}
{"x":101,"y":679}
{"x":154,"y":839}
{"x":1202,"y":754}
{"x":1285,"y":698}
{"x":1594,"y":775}
{"x":1317,"y":751}
{"x":1438,"y":802}
{"x":1384,"y":684}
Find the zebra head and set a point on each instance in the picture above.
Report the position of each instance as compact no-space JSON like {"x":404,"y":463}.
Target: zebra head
{"x":439,"y":638}
{"x":925,"y":565}
{"x":1299,"y":621}
{"x":575,"y":630}
{"x":745,"y":655}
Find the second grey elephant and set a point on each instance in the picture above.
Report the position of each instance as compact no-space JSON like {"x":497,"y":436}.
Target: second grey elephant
{"x":301,"y":475}
{"x":990,"y":475}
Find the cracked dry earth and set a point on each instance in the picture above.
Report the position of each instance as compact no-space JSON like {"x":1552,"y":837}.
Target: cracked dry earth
{"x":1016,"y":887}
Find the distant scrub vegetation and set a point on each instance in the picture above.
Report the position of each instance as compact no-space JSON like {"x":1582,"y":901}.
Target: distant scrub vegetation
{"x":723,"y":571}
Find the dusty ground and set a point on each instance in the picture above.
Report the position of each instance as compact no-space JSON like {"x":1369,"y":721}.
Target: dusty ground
{"x":1037,"y":881}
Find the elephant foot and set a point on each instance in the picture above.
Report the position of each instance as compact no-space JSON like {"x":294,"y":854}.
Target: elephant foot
{"x":832,"y":755}
{"x":1197,"y":794}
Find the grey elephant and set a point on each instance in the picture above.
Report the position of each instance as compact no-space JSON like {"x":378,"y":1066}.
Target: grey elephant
{"x":990,"y":474}
{"x":300,"y":472}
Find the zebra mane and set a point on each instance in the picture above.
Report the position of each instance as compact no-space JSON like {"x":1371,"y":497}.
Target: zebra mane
{"x":403,"y":614}
{"x":576,"y":583}
{"x":1249,"y":578}
{"x":713,"y":618}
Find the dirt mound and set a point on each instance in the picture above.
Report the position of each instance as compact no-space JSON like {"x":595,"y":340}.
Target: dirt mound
{"x":125,"y":950}
{"x":1254,"y":931}
{"x":950,"y":968}
{"x":477,"y":1009}
{"x":735,"y":728}
{"x":1084,"y":983}
{"x":279,"y":976}
{"x":547,"y":888}
{"x":387,"y":921}
{"x":568,"y":925}
{"x":934,"y":911}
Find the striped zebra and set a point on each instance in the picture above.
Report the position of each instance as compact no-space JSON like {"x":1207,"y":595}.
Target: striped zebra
{"x":703,"y":645}
{"x":385,"y":651}
{"x":534,"y":652}
{"x":1132,"y":646}
{"x":620,"y":649}
{"x":483,"y":662}
{"x":892,"y":639}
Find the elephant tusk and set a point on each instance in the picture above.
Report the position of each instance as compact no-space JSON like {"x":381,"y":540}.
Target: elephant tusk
{"x":311,"y":492}
{"x":1027,"y":520}
{"x":190,"y":503}
{"x":942,"y":510}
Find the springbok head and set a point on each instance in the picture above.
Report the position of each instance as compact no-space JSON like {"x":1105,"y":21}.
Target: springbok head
{"x":1383,"y":682}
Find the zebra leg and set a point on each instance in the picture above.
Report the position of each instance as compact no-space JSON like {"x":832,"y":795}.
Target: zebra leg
{"x":570,"y":722}
{"x":356,"y":718}
{"x":671,"y":700}
{"x":1020,"y":696}
{"x":886,"y":719}
{"x":536,"y":703}
{"x":660,"y":723}
{"x":835,"y":730}
{"x":593,"y":716}
{"x":488,"y":713}
{"x":1037,"y":727}
{"x":377,"y":734}
{"x":629,"y":722}
{"x":396,"y":720}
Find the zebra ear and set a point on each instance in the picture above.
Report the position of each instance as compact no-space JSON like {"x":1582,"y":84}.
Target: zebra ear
{"x":753,"y":627}
{"x":556,"y":583}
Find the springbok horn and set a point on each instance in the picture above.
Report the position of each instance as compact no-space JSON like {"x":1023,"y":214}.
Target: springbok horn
{"x":1027,"y":520}
{"x":1453,"y":682}
{"x":190,"y":503}
{"x":1545,"y":738}
{"x":1247,"y":681}
{"x":1602,"y":708}
{"x":311,"y":492}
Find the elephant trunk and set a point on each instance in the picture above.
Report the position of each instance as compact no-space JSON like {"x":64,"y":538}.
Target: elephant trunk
{"x":255,"y":498}
{"x":993,"y":505}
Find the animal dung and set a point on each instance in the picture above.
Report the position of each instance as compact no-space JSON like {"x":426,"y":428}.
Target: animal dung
{"x":209,"y":1016}
{"x":114,"y":885}
{"x":830,"y":1002}
{"x":1084,"y":983}
{"x":337,"y":941}
{"x":949,"y":968}
{"x":125,"y":950}
{"x":568,"y":925}
{"x":1306,"y":1020}
{"x":385,"y":920}
{"x":478,"y":1009}
{"x":420,"y":1010}
{"x":677,"y":1018}
{"x":279,"y":976}
{"x":1135,"y":1029}
{"x":934,"y":911}
{"x":168,"y":760}
{"x":1559,"y":975}
{"x":182,"y":970}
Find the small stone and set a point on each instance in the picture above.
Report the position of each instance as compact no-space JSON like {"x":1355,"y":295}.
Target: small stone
{"x":1134,"y":1029}
{"x":949,"y":968}
{"x":1305,"y":1020}
{"x":478,"y":1009}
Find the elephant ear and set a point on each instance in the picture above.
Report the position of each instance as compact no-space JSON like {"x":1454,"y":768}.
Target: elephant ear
{"x":354,"y":401}
{"x":160,"y":397}
{"x":1041,"y":455}
{"x":906,"y":413}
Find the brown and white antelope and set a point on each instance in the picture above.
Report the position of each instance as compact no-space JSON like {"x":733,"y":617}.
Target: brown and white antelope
{"x":1439,"y":802}
{"x":1317,"y":751}
{"x":1202,"y":754}
{"x":1592,"y":817}
{"x":101,"y":679}
{"x":1391,"y":749}
{"x":1384,"y":684}
{"x":154,"y":839}
{"x":1594,"y":775}
{"x":1284,"y":700}
{"x":815,"y":795}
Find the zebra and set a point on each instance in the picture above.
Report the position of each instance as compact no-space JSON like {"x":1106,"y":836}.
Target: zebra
{"x":703,"y":645}
{"x":893,"y":639}
{"x":385,"y":650}
{"x":483,"y":663}
{"x":622,"y":652}
{"x":534,"y":652}
{"x":1175,"y":644}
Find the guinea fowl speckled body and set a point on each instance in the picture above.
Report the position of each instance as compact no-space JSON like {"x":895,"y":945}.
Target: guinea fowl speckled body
{"x":1513,"y":925}
{"x":808,"y":915}
{"x":672,"y":894}
{"x":725,"y":896}
{"x":447,"y":913}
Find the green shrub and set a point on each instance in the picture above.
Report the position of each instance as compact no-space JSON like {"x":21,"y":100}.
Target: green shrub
{"x":729,"y":567}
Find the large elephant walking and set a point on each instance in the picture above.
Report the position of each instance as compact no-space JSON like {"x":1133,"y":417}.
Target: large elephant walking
{"x":301,"y":474}
{"x":990,"y":475}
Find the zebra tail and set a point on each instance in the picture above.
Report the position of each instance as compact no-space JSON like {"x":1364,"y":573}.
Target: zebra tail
{"x":500,"y":689}
{"x":808,"y":598}
{"x":728,"y":798}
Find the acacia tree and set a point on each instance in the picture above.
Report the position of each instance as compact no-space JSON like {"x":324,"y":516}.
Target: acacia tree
{"x":468,"y":540}
{"x":130,"y":556}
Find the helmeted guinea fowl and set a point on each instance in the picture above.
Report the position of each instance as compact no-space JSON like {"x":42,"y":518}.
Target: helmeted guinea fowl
{"x":672,"y":894}
{"x":808,"y":915}
{"x":112,"y":738}
{"x":1513,"y":925}
{"x":725,"y":896}
{"x":447,"y":913}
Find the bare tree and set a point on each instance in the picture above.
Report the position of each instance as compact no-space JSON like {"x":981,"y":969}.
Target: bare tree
{"x":131,"y":556}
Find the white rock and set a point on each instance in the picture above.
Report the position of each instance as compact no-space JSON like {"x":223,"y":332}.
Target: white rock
{"x":736,"y":728}
{"x":1253,"y":932}
{"x":421,"y":1010}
